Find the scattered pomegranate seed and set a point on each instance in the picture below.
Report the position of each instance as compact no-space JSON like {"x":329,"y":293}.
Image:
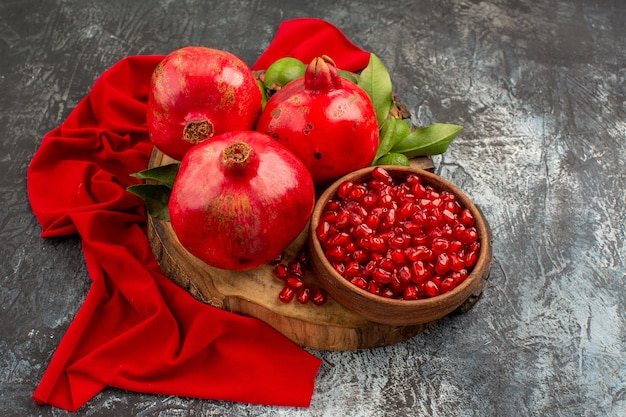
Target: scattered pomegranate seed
{"x":397,"y":238}
{"x":286,"y":294}
{"x":280,"y":272}
{"x":303,"y":295}
{"x":319,"y":297}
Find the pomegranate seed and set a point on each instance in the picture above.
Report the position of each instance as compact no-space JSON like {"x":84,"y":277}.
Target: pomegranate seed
{"x":460,"y":276}
{"x":442,"y":265}
{"x":397,"y":257}
{"x":457,"y":261}
{"x":360,"y":256}
{"x":447,"y":285}
{"x":410,"y":292}
{"x":419,"y":253}
{"x":406,"y":210}
{"x":433,"y":220}
{"x":404,"y":274}
{"x":431,"y":289}
{"x":280,"y":272}
{"x":387,"y":293}
{"x":332,"y":205}
{"x":473,"y":247}
{"x":303,"y":295}
{"x":319,"y":297}
{"x":451,"y":205}
{"x":295,"y":282}
{"x":419,"y":271}
{"x":339,"y":267}
{"x":431,"y":193}
{"x":322,"y":231}
{"x":412,"y":180}
{"x":295,"y":268}
{"x":419,"y":190}
{"x":470,"y":235}
{"x":377,"y":244}
{"x":455,"y":246}
{"x":344,"y":189}
{"x":286,"y":294}
{"x":340,"y":239}
{"x":400,"y":279}
{"x":381,"y":276}
{"x":376,"y":185}
{"x":386,"y":200}
{"x":359,"y":282}
{"x":413,"y":227}
{"x":382,"y":175}
{"x":362,"y":230}
{"x":448,"y":216}
{"x":467,"y":218}
{"x":343,"y":219}
{"x":336,"y":253}
{"x":353,"y":269}
{"x":369,"y":268}
{"x":387,"y":264}
{"x":437,"y":280}
{"x":470,"y":259}
{"x":355,"y":219}
{"x":373,"y":288}
{"x":350,"y":248}
{"x":440,"y":245}
{"x":397,"y":242}
{"x":356,"y":194}
{"x":370,"y":200}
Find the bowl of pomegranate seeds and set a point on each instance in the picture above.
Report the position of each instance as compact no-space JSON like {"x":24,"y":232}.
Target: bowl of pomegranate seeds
{"x":399,"y":245}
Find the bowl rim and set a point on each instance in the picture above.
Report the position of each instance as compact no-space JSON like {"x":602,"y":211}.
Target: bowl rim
{"x":484,"y":235}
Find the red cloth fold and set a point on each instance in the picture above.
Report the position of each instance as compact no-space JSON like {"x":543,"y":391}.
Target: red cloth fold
{"x":308,"y":38}
{"x":136,"y":329}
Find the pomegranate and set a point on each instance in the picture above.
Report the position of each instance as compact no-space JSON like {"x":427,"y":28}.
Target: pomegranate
{"x":398,"y":238}
{"x":326,"y":120}
{"x":197,"y":93}
{"x":239,"y":200}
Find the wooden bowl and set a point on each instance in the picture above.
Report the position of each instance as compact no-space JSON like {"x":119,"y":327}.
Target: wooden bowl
{"x":396,"y":312}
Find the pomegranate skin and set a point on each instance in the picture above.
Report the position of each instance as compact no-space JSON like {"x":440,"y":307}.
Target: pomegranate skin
{"x":239,"y":200}
{"x":197,"y":93}
{"x":327,"y":121}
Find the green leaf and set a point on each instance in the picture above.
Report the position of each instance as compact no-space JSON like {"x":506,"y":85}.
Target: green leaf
{"x":393,"y":159}
{"x":376,"y":82}
{"x":392,"y":132}
{"x":429,"y":140}
{"x":350,"y":76}
{"x":165,"y":174}
{"x":156,"y":197}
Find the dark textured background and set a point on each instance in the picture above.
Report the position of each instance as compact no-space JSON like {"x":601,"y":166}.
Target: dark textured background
{"x":539,"y":87}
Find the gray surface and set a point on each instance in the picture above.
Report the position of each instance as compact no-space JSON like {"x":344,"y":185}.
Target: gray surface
{"x":539,"y":87}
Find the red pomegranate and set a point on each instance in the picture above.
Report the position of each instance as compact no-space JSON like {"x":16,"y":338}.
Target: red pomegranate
{"x":239,"y":200}
{"x":327,"y":121}
{"x":197,"y":93}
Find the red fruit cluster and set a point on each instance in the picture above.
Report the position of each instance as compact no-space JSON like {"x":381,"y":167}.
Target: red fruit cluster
{"x":291,"y":275}
{"x":399,"y":239}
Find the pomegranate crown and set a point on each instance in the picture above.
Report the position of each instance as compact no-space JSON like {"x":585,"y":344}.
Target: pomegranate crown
{"x":321,"y":75}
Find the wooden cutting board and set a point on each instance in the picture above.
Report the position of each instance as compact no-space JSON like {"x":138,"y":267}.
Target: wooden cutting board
{"x":255,"y":293}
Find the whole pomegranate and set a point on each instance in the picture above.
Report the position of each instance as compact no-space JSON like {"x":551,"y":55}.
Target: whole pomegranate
{"x":327,"y":121}
{"x":197,"y":93}
{"x":239,"y":200}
